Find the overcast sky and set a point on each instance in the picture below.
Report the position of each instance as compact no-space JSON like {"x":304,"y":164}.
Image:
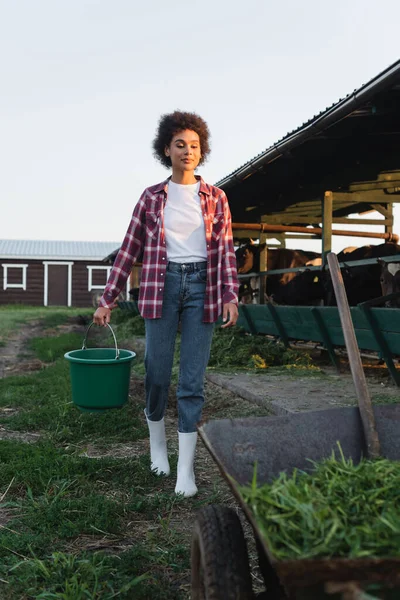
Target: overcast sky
{"x":83,"y":83}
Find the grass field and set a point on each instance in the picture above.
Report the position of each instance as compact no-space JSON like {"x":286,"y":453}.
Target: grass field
{"x":81,"y":515}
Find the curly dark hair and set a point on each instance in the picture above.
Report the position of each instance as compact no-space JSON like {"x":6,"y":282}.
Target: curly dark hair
{"x":171,"y":124}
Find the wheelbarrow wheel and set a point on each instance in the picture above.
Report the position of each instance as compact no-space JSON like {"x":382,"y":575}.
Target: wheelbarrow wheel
{"x":219,"y":558}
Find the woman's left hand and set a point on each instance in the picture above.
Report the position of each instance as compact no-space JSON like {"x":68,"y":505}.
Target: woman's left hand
{"x":230,"y":314}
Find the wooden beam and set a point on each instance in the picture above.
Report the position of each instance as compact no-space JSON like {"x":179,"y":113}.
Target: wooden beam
{"x":265,"y":228}
{"x":284,"y":220}
{"x":385,"y":180}
{"x":359,"y":196}
{"x":386,"y":212}
{"x":389,"y":222}
{"x":304,"y":236}
{"x":263,"y":267}
{"x":288,"y":220}
{"x":378,"y":185}
{"x":303,"y":205}
{"x":282,"y":239}
{"x":245,"y":233}
{"x":315,"y":207}
{"x":382,"y":222}
{"x":327,"y":205}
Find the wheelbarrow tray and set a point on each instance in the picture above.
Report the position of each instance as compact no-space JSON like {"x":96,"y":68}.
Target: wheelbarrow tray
{"x":288,"y":442}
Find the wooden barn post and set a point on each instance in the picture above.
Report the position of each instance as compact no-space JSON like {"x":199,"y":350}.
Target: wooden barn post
{"x":389,"y":217}
{"x":327,"y":206}
{"x":134,"y":278}
{"x":263,"y":267}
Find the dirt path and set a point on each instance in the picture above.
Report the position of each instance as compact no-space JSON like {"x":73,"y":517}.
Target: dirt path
{"x":15,"y":358}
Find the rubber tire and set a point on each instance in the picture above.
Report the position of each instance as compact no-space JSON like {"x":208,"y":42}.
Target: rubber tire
{"x":219,"y":558}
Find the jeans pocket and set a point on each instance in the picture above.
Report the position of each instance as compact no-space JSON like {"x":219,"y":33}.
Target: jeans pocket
{"x":202,"y":275}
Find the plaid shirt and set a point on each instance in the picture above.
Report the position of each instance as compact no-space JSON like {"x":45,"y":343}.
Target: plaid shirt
{"x":145,"y":237}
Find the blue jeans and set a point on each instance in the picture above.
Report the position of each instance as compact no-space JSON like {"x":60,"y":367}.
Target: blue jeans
{"x":184,"y":291}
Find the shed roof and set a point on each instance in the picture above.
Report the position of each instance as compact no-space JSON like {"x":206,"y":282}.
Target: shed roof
{"x":354,"y":140}
{"x":57,"y":250}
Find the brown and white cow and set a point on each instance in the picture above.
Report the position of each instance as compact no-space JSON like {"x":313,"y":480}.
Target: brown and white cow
{"x":248,"y":261}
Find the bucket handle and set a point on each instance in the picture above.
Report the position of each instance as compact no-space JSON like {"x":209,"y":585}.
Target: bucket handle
{"x":113,"y":334}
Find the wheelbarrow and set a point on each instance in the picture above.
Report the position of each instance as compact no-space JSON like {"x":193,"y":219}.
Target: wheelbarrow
{"x":220,"y":564}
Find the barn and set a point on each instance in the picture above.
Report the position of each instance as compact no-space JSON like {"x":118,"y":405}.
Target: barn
{"x":342,"y":162}
{"x":53,"y":273}
{"x":340,"y":168}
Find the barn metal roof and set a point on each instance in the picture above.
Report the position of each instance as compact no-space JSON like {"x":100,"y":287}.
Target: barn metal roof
{"x":56,"y":250}
{"x":318,"y":123}
{"x":351,"y":146}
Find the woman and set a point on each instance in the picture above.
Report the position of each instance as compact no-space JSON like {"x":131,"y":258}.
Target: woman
{"x":181,"y":230}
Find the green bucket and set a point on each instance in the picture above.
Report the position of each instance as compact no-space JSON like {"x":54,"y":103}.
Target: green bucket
{"x":100,"y":376}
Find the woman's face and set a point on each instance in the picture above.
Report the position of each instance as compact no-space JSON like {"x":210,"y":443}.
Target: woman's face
{"x":184,"y":150}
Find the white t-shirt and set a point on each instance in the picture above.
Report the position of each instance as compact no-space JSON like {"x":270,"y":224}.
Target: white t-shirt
{"x":184,"y":224}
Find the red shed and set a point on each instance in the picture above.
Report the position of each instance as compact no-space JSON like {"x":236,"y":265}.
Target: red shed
{"x":53,"y":273}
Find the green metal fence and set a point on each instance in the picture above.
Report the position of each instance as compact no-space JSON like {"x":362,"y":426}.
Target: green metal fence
{"x":376,"y":329}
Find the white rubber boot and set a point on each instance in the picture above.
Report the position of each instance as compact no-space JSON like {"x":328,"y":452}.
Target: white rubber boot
{"x":185,"y":483}
{"x":158,"y":447}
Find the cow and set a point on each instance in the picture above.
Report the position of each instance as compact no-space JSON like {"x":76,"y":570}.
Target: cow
{"x":362,"y":282}
{"x":315,"y":287}
{"x":390,"y":282}
{"x":248,"y":261}
{"x":305,"y":289}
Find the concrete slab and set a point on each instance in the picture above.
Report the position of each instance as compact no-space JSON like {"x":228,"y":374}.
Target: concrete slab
{"x":287,"y":394}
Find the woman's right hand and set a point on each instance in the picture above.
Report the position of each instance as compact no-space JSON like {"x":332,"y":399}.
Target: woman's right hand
{"x":102,"y":316}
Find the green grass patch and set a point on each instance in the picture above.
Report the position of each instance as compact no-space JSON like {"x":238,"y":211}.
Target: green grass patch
{"x":66,"y":315}
{"x":49,"y":349}
{"x":44,"y":469}
{"x":45,"y":400}
{"x":139,"y":573}
{"x":17,"y":315}
{"x":45,"y":476}
{"x":234,"y":348}
{"x":57,"y":497}
{"x":143,"y":571}
{"x":385,"y":399}
{"x":65,"y":576}
{"x":128,"y":324}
